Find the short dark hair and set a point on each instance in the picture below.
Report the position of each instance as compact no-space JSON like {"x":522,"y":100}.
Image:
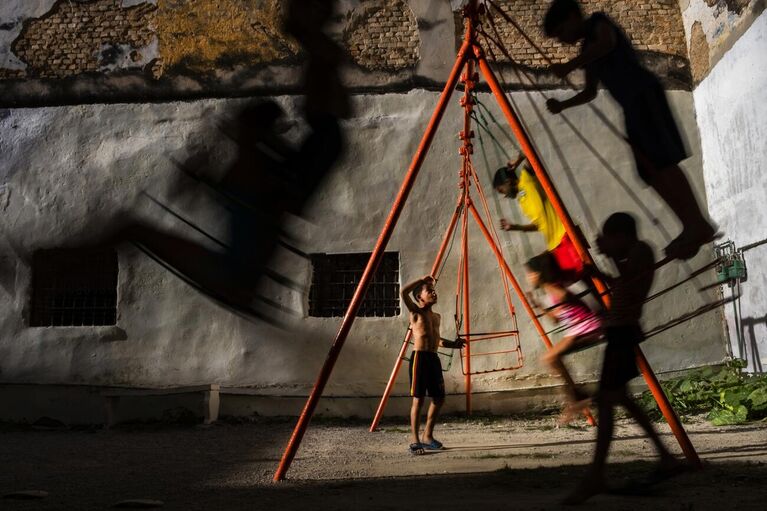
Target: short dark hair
{"x":502,"y":175}
{"x":417,"y":290}
{"x":621,"y":223}
{"x":547,"y":266}
{"x":558,"y":12}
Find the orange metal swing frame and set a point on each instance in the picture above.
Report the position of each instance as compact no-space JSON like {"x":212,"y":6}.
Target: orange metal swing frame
{"x":470,"y":56}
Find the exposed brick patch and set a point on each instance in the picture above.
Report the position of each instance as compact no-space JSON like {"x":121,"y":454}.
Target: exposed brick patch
{"x":6,"y":74}
{"x":700,"y":57}
{"x":72,"y":37}
{"x":653,"y":26}
{"x":204,"y":36}
{"x":383,"y":35}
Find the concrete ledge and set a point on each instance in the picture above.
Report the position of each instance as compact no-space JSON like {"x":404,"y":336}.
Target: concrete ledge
{"x":85,"y":404}
{"x":210,"y":399}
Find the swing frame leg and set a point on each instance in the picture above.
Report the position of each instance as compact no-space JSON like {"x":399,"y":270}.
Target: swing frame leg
{"x":372,"y":266}
{"x":464,"y":270}
{"x":516,"y":126}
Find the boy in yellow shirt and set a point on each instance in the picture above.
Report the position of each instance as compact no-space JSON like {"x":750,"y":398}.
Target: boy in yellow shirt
{"x":541,"y":214}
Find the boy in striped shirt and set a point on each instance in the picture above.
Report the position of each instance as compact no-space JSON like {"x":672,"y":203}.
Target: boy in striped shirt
{"x":628,"y":291}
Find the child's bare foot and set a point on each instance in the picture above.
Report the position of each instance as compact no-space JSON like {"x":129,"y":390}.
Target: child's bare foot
{"x":572,"y":409}
{"x":587,"y":489}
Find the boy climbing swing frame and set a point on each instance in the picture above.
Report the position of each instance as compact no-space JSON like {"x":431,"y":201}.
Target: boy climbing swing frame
{"x":470,"y":54}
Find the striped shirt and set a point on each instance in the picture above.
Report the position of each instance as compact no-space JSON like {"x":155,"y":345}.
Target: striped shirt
{"x":629,"y":291}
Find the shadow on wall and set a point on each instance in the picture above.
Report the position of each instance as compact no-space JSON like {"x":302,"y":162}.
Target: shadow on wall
{"x":748,"y":344}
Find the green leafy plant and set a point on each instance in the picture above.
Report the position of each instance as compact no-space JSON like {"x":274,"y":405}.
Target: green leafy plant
{"x":727,"y":395}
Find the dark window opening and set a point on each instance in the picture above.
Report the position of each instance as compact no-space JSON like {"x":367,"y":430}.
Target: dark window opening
{"x":74,"y":287}
{"x":335,"y":277}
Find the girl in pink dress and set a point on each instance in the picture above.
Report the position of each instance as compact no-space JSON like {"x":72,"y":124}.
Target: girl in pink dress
{"x":582,"y":327}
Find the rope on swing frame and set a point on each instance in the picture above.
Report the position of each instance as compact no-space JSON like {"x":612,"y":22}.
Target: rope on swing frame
{"x":564,"y":164}
{"x":601,"y":115}
{"x":652,"y":297}
{"x":483,"y":127}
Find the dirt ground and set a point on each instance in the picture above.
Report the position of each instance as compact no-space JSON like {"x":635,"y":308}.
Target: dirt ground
{"x":489,"y":464}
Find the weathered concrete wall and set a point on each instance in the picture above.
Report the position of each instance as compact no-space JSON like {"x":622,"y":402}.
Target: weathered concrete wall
{"x":70,"y":171}
{"x":56,"y":52}
{"x":731,"y":104}
{"x":115,"y":50}
{"x":712,"y":27}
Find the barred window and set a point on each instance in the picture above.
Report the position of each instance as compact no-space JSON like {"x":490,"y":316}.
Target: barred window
{"x":74,"y":287}
{"x":335,"y":277}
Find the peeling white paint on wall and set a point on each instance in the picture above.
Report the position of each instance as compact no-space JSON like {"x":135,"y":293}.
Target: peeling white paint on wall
{"x":719,"y":24}
{"x":731,"y":104}
{"x":716,"y":21}
{"x":125,"y":56}
{"x":75,"y":168}
{"x":13,"y":14}
{"x":131,"y":3}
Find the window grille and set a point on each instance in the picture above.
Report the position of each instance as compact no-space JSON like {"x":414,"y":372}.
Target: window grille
{"x":74,"y":287}
{"x":335,"y":277}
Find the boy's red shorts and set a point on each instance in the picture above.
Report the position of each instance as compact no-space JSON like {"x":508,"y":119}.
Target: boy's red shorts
{"x":567,"y":258}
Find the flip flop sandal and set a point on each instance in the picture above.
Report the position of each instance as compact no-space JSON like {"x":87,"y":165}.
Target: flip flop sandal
{"x":434,"y":445}
{"x":416,"y":449}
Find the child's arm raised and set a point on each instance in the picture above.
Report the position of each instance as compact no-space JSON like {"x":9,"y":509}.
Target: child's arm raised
{"x":405,"y":293}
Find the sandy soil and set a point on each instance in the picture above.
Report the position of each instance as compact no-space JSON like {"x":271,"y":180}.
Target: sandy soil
{"x":488,"y":463}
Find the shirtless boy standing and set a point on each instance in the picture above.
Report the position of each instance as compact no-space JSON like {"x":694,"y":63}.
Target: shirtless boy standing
{"x":425,"y":366}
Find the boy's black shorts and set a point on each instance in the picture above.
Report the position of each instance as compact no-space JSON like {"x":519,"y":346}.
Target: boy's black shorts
{"x":426,"y":375}
{"x":619,"y":366}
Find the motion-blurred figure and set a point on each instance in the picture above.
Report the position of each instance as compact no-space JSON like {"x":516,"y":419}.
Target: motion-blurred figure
{"x":267,"y":179}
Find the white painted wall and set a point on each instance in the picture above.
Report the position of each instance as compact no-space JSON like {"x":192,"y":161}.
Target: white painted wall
{"x":731,"y":105}
{"x":70,"y":171}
